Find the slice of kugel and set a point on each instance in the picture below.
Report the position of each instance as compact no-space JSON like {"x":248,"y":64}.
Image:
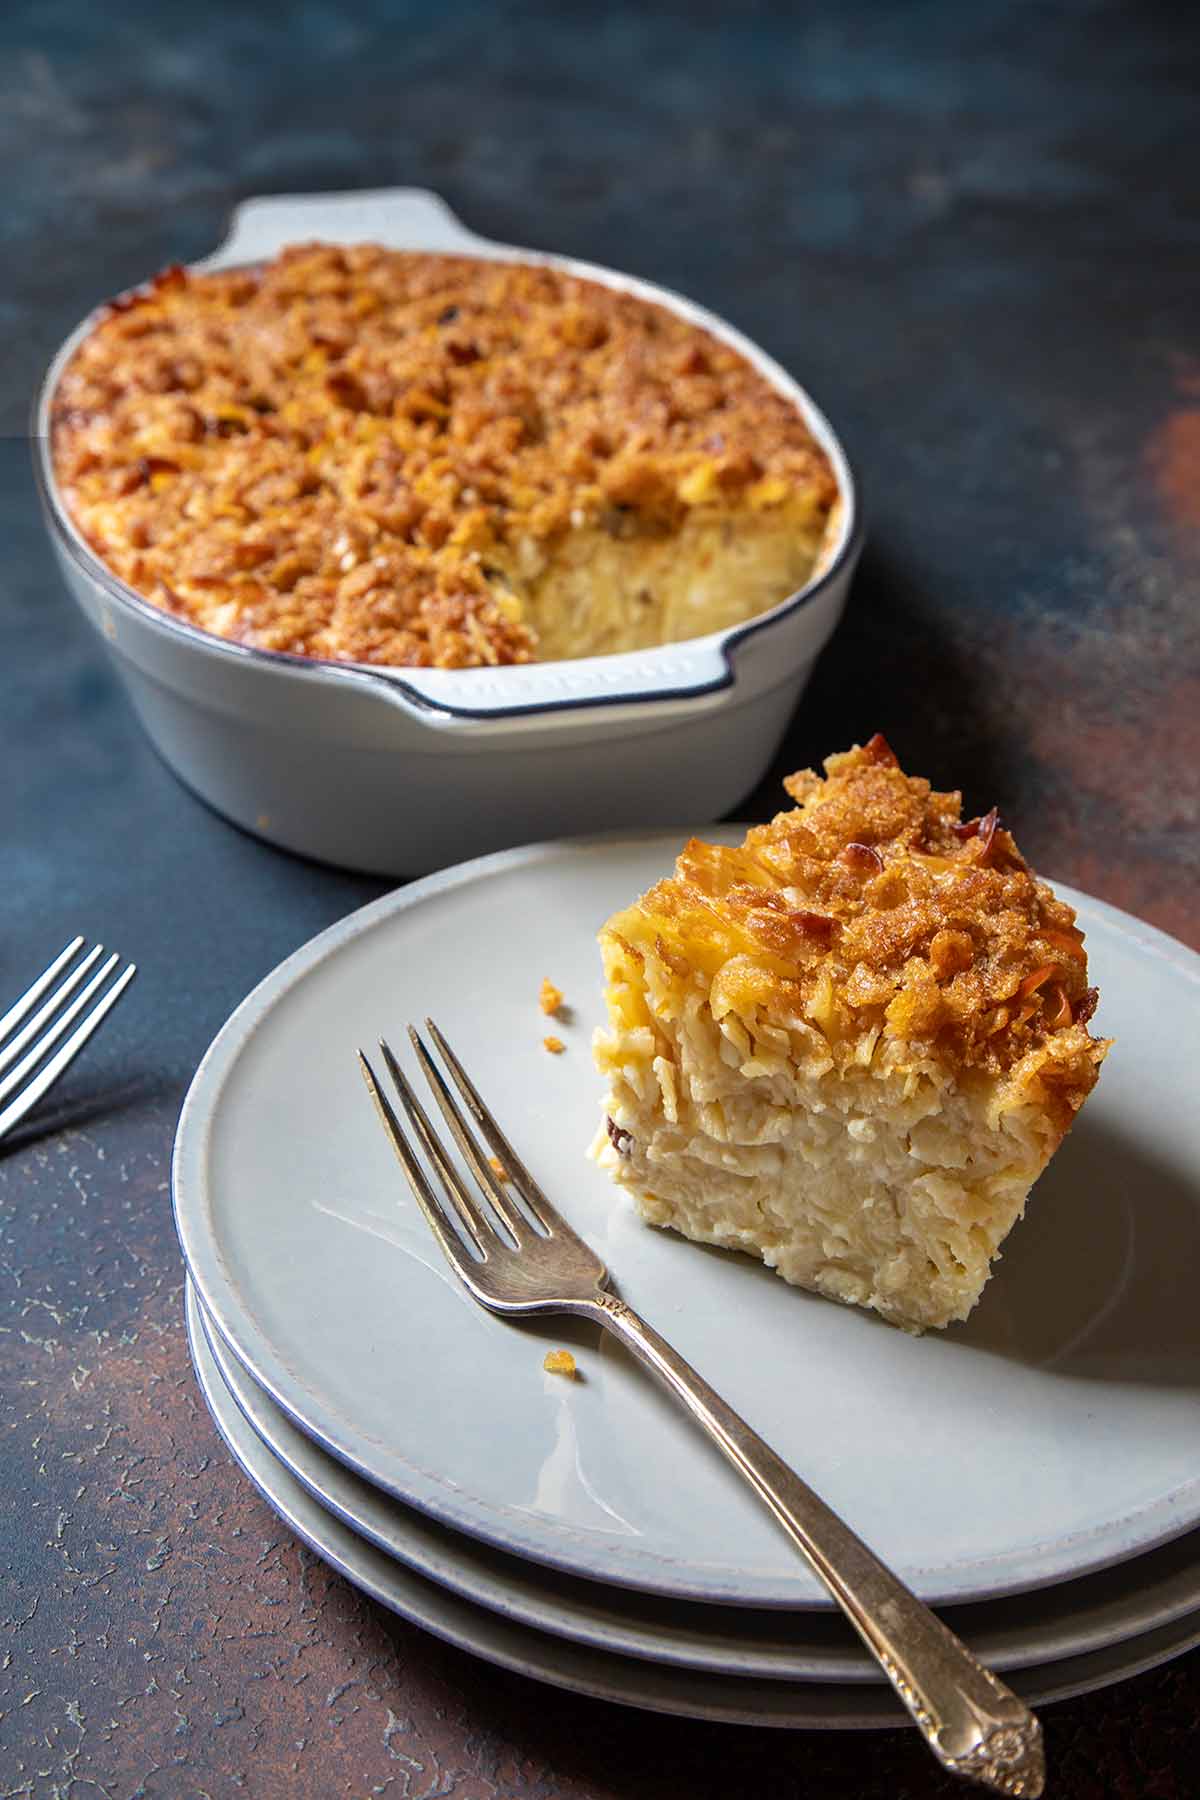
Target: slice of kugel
{"x":851,"y":1045}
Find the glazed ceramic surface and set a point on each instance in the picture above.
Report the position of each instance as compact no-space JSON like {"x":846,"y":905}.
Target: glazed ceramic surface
{"x":1063,"y":1620}
{"x":1055,"y":1433}
{"x":402,"y":771}
{"x":628,"y":1681}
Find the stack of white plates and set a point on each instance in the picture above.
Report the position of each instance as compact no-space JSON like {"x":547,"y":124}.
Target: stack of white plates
{"x":1035,"y":1473}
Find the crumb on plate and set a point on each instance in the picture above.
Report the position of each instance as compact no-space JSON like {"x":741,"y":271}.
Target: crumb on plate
{"x":560,"y":1362}
{"x":554,"y":1045}
{"x":550,"y":997}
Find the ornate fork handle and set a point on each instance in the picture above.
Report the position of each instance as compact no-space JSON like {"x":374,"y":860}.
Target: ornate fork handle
{"x":971,"y":1722}
{"x":974,"y":1725}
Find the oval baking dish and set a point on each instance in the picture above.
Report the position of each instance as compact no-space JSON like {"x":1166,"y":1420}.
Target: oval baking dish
{"x":400,"y":771}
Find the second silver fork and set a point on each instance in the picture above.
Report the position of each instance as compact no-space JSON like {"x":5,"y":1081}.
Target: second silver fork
{"x":526,"y":1259}
{"x":32,"y":1052}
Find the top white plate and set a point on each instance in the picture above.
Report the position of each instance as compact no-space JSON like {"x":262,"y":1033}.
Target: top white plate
{"x":1054,"y":1433}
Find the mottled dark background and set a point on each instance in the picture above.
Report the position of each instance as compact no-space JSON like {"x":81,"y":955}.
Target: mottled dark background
{"x":975,"y":233}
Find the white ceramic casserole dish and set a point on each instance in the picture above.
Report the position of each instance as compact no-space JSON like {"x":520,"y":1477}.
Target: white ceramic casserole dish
{"x":401,"y":771}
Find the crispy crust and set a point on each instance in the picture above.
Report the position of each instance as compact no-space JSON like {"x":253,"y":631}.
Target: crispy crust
{"x":346,"y":453}
{"x":871,"y":915}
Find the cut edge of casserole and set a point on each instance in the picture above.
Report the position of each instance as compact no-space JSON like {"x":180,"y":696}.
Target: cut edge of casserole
{"x":414,"y":459}
{"x":850,"y":1045}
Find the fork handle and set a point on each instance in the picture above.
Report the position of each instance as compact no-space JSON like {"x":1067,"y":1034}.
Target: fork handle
{"x":974,"y":1725}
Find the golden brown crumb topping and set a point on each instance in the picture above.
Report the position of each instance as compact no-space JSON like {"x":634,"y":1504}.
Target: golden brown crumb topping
{"x":341,"y":453}
{"x":873,"y":912}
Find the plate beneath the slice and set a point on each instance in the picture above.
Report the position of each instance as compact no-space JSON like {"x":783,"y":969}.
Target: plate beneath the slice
{"x":1064,"y":1620}
{"x":1054,"y":1433}
{"x":625,"y":1680}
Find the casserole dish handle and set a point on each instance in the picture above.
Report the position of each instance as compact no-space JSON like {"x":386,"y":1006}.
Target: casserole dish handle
{"x":401,"y":218}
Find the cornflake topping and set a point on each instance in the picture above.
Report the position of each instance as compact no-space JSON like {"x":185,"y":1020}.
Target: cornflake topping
{"x":339,"y":454}
{"x":872,"y":914}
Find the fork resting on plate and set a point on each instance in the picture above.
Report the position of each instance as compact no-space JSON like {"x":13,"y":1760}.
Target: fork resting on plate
{"x":526,"y":1259}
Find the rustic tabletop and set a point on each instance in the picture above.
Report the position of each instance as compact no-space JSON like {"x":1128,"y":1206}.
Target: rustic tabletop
{"x":974,"y":233}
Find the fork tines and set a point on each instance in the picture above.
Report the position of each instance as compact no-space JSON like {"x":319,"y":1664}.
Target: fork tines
{"x":494,"y":1220}
{"x":32,"y":1052}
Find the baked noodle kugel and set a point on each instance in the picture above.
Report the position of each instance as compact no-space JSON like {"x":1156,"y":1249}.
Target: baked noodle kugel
{"x":399,"y":458}
{"x":850,"y":1045}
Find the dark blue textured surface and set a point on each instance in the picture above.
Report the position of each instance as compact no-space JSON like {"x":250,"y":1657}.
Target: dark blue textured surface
{"x":974,"y":232}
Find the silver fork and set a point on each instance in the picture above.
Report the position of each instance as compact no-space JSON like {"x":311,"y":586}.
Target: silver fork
{"x":29,"y":1062}
{"x":523,"y":1260}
